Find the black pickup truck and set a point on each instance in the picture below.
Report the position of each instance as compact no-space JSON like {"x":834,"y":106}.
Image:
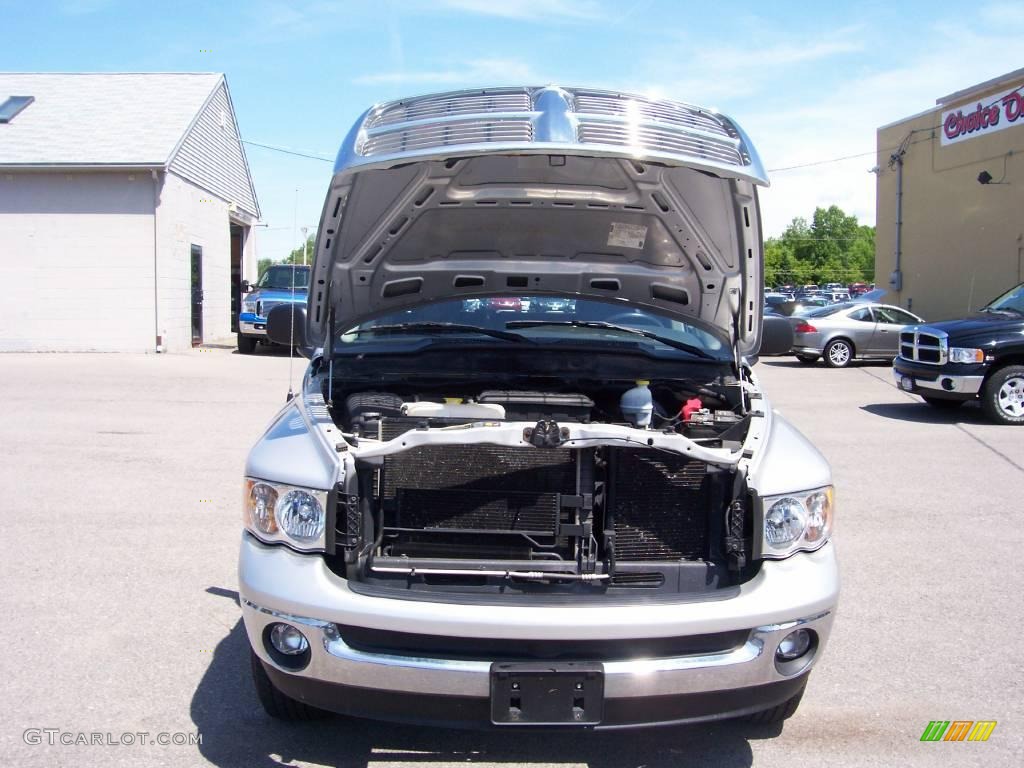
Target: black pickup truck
{"x":978,"y":357}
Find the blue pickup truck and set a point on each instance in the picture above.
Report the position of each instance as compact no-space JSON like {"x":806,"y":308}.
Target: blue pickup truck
{"x":280,"y":284}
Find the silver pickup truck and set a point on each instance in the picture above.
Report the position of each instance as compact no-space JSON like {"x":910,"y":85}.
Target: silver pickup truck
{"x":530,"y":479}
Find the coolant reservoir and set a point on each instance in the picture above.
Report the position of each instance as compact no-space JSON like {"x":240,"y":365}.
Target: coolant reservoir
{"x":451,"y":410}
{"x":637,"y":404}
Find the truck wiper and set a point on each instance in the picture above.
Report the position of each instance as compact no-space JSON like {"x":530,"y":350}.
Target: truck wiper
{"x":1003,"y":310}
{"x":668,"y":342}
{"x":443,"y":328}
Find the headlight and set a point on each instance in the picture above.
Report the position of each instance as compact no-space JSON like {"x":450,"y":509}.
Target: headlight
{"x":966,"y":355}
{"x":797,"y":522}
{"x":260,"y":507}
{"x":278,"y":512}
{"x":301,"y":516}
{"x":249,"y":306}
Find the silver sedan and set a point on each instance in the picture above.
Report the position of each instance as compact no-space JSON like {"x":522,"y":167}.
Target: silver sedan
{"x":841,"y":332}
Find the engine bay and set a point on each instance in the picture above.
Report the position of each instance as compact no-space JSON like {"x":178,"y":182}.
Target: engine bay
{"x":542,"y":514}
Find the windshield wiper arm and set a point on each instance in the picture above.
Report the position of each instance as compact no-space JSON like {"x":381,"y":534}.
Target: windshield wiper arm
{"x":443,"y":328}
{"x":1005,"y":310}
{"x":668,"y":342}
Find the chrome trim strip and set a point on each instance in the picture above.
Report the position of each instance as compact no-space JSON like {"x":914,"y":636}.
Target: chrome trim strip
{"x":965,"y":385}
{"x":334,"y":661}
{"x":455,"y":124}
{"x":915,"y":346}
{"x":250,"y":329}
{"x":289,"y":617}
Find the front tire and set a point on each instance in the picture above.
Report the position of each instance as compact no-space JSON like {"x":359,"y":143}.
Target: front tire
{"x":779,"y":713}
{"x":246,"y":344}
{"x":838,"y":353}
{"x":275,"y":703}
{"x":1002,"y":397}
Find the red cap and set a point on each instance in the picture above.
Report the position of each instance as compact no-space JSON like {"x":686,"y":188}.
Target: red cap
{"x":689,"y":407}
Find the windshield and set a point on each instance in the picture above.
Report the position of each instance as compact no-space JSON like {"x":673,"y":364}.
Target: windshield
{"x":829,"y":310}
{"x":1011,"y":301}
{"x":540,"y":320}
{"x":279,"y":277}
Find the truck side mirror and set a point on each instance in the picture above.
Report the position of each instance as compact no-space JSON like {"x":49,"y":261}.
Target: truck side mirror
{"x":776,"y":335}
{"x":280,"y":328}
{"x":246,"y":286}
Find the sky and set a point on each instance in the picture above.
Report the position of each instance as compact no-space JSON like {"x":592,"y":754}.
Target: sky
{"x":808,"y":84}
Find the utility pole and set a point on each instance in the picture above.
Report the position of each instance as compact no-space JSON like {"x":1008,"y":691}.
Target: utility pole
{"x":896,"y":163}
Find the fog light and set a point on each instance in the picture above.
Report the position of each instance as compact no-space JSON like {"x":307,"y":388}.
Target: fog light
{"x":794,"y":645}
{"x":288,"y":640}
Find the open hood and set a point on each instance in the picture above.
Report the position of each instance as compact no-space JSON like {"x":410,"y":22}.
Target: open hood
{"x":543,"y":191}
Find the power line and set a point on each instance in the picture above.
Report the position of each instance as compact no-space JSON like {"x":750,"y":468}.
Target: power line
{"x":287,"y":151}
{"x":783,"y":169}
{"x":859,"y":154}
{"x":822,"y":162}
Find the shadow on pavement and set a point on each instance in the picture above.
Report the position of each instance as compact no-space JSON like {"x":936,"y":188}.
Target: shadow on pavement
{"x":271,"y":350}
{"x":791,"y":362}
{"x":922,"y":413}
{"x":236,"y":732}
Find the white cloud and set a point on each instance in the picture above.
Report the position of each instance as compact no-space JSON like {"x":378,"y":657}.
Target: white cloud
{"x":477,"y":71}
{"x":757,"y":60}
{"x":1004,"y":13}
{"x":711,"y":74}
{"x":868,"y":80}
{"x":536,"y":10}
{"x":845,"y":119}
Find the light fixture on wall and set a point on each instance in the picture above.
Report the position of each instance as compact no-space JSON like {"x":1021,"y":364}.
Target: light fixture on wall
{"x":985,"y":178}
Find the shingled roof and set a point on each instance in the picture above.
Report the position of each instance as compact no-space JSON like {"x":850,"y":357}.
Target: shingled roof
{"x":122,"y":120}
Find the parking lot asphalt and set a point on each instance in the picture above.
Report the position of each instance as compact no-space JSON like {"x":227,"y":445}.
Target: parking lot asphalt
{"x":122,"y":480}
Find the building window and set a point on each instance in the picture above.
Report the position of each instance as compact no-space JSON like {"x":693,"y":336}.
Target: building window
{"x":10,"y":108}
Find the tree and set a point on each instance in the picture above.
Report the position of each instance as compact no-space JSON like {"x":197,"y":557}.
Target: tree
{"x":296,"y":256}
{"x":832,"y":248}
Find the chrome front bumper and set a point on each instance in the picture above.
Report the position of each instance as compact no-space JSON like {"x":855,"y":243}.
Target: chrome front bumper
{"x":252,"y":329}
{"x":276,"y":584}
{"x":942,"y":382}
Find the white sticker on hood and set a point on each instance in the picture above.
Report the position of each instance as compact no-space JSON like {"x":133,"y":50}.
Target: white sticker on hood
{"x":627,"y":235}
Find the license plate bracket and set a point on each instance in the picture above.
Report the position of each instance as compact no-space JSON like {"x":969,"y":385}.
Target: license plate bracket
{"x":538,"y":693}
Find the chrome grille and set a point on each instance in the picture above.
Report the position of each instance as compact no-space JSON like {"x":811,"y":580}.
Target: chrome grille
{"x":649,"y":136}
{"x":679,"y":115}
{"x":263,"y":307}
{"x":548,"y":119}
{"x":922,"y":345}
{"x":445,"y":104}
{"x":405,"y":137}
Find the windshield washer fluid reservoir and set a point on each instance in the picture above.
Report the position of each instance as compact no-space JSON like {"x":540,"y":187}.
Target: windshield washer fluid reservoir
{"x":637,"y":404}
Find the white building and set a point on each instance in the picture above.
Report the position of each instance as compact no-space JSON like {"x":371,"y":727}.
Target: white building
{"x":126,"y":211}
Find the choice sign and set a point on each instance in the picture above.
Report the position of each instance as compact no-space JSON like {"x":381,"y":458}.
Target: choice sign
{"x":991,"y":114}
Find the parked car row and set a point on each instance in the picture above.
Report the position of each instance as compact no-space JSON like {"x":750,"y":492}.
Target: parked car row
{"x":521,"y":304}
{"x":979,"y":357}
{"x":840,"y":333}
{"x":853,"y":289}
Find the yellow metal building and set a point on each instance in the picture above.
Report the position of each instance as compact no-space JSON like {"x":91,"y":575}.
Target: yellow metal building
{"x":950,"y":202}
